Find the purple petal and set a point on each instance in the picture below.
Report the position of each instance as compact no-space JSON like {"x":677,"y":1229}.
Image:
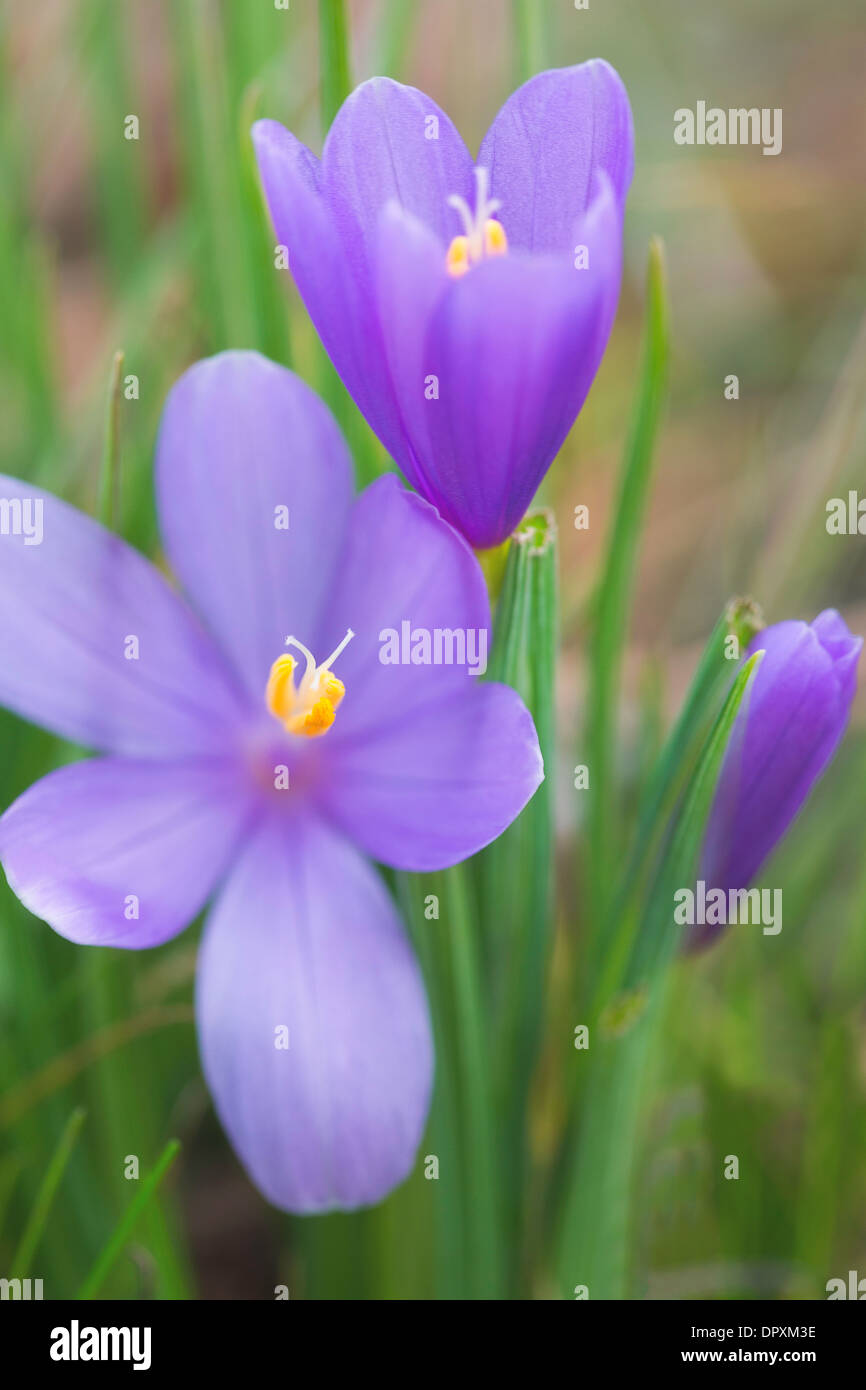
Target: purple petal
{"x":401,"y":563}
{"x":514,"y":345}
{"x":338,"y":295}
{"x":305,"y":938}
{"x":783,"y":739}
{"x":96,"y":646}
{"x":390,"y":142}
{"x":423,"y":765}
{"x":241,"y":441}
{"x":433,"y":785}
{"x":546,"y":147}
{"x":120,"y":853}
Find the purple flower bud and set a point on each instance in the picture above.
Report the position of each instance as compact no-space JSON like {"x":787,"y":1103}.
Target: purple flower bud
{"x":785,"y":734}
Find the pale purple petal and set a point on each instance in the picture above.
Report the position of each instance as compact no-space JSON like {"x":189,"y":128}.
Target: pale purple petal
{"x":114,"y":852}
{"x":401,"y":564}
{"x":96,"y":646}
{"x":245,"y":445}
{"x":423,"y":765}
{"x":431,"y":787}
{"x":304,"y":938}
{"x":546,"y":147}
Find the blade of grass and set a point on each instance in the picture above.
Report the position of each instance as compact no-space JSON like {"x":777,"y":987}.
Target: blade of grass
{"x":335,"y":72}
{"x":32,"y":1233}
{"x":529,"y":37}
{"x":125,"y":1227}
{"x":109,"y":495}
{"x":613,"y":599}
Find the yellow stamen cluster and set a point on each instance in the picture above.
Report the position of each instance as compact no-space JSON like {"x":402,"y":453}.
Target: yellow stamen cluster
{"x":484,"y":236}
{"x":460,"y":259}
{"x":308,"y":708}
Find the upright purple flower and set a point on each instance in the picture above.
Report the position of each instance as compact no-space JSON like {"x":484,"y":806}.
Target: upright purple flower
{"x":260,"y":771}
{"x":465,"y":307}
{"x":784,"y":736}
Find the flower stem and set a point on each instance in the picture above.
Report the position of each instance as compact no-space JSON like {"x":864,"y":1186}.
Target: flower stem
{"x":482,"y":1210}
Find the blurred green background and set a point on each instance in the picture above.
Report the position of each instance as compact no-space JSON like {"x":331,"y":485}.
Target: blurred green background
{"x":159,"y":247}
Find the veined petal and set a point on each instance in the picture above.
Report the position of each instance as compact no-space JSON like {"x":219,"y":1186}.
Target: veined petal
{"x":114,"y":852}
{"x":305,"y":939}
{"x":401,"y":564}
{"x":423,"y":765}
{"x":391,"y":142}
{"x":546,"y":147}
{"x":254,"y":486}
{"x":433,"y":785}
{"x":96,"y":646}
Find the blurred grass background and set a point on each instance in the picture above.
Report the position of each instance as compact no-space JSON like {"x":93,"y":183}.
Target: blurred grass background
{"x":159,"y":247}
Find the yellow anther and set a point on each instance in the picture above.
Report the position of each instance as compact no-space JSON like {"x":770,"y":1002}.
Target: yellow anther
{"x":495,"y":240}
{"x":280,"y":691}
{"x":484,"y":236}
{"x":316,"y":721}
{"x":457,"y":260}
{"x":308,"y":708}
{"x":333,"y":689}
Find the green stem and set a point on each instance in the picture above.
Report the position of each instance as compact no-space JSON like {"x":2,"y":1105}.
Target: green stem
{"x":515,"y":874}
{"x":482,"y":1208}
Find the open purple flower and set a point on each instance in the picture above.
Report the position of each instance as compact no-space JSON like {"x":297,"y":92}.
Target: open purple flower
{"x":258,"y":770}
{"x":785,"y":734}
{"x":466,"y":307}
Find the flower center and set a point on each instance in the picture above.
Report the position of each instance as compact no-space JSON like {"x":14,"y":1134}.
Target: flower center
{"x":484,"y":235}
{"x":309,"y":707}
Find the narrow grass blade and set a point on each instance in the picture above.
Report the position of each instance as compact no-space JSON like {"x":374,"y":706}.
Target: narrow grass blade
{"x":334,"y":64}
{"x":613,"y":599}
{"x":40,"y":1212}
{"x":109,"y":492}
{"x":123,"y":1231}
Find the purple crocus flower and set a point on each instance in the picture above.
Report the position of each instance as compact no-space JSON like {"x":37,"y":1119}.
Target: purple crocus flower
{"x":260,"y":771}
{"x":785,"y":734}
{"x":466,"y":307}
